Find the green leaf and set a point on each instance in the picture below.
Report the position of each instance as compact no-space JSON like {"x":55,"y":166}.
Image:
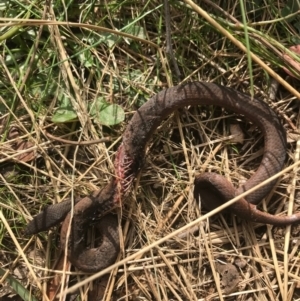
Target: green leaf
{"x":136,"y":30}
{"x":86,"y":59}
{"x":65,"y":113}
{"x":106,"y":113}
{"x":109,"y":39}
{"x":18,"y":287}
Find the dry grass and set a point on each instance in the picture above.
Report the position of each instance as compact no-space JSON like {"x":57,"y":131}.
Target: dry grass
{"x":44,"y":64}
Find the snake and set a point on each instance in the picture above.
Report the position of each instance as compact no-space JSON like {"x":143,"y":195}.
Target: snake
{"x":213,"y":189}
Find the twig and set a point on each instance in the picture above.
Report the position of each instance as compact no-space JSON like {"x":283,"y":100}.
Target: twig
{"x":169,"y":47}
{"x":77,"y":142}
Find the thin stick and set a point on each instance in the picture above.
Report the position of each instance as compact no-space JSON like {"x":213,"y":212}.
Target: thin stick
{"x":169,"y":46}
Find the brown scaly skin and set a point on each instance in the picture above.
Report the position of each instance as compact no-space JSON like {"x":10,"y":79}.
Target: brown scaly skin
{"x":131,"y":154}
{"x":92,"y":260}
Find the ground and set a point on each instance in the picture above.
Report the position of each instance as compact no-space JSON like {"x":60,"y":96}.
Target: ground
{"x":79,"y":71}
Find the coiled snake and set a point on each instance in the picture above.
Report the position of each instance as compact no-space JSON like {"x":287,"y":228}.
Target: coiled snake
{"x":129,"y":160}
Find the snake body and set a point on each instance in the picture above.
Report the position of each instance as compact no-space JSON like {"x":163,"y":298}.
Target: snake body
{"x":130,"y":157}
